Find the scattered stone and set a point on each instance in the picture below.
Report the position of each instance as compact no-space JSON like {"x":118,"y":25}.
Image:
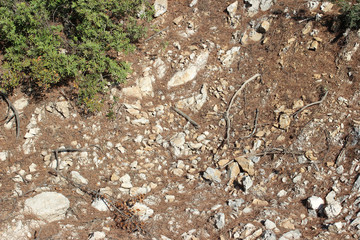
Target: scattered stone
{"x":196,"y":102}
{"x":169,"y":198}
{"x":269,"y":224}
{"x":63,"y":108}
{"x":99,"y":205}
{"x":292,"y":235}
{"x":193,"y":3}
{"x":145,"y":85}
{"x":268,"y":235}
{"x":190,"y":72}
{"x":230,"y":56}
{"x":20,"y":104}
{"x":246,"y":165}
{"x":282,"y":193}
{"x":247,"y":183}
{"x":48,"y":206}
{"x":356,"y":186}
{"x":235,"y":204}
{"x":264,"y":27}
{"x":307,"y":29}
{"x":284,"y":121}
{"x":232,"y":8}
{"x":315,"y":203}
{"x":77,"y":178}
{"x":97,"y":236}
{"x":4,"y":156}
{"x":160,"y":7}
{"x":160,"y":68}
{"x":219,"y":220}
{"x":233,"y":171}
{"x":212,"y":175}
{"x":310,"y":155}
{"x":333,"y":210}
{"x":326,"y":6}
{"x":134,"y":92}
{"x":142,"y":211}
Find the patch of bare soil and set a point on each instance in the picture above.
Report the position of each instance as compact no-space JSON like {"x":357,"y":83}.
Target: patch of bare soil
{"x":293,"y":133}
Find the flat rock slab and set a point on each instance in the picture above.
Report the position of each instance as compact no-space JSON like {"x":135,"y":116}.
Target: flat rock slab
{"x":48,"y":206}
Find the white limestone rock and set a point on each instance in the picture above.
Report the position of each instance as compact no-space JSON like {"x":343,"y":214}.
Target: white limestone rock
{"x":48,"y":206}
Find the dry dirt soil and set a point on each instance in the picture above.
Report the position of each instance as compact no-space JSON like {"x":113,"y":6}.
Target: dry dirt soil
{"x":294,"y":152}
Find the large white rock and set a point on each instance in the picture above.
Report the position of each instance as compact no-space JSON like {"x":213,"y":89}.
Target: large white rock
{"x":160,"y":7}
{"x":48,"y":206}
{"x":63,"y":108}
{"x":145,"y":85}
{"x":21,"y":103}
{"x":190,"y":72}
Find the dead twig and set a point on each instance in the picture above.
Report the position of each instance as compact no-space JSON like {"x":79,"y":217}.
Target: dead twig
{"x":154,"y":35}
{"x":186,"y":117}
{"x":16,"y":114}
{"x":227,"y":119}
{"x":311,"y":104}
{"x":255,"y":126}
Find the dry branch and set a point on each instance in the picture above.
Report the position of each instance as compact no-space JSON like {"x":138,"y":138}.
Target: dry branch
{"x":311,"y":104}
{"x":16,"y":114}
{"x":186,"y":117}
{"x":227,"y":119}
{"x":156,"y":34}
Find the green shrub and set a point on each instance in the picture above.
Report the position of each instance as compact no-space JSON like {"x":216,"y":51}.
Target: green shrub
{"x":51,"y":42}
{"x":350,"y":13}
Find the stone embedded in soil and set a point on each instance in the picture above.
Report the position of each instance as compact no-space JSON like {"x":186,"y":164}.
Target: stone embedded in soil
{"x":77,"y":178}
{"x":292,"y":235}
{"x":284,"y":121}
{"x":232,"y":8}
{"x":219,"y":220}
{"x":99,"y":205}
{"x":247,"y":183}
{"x":212,"y":175}
{"x":246,"y":165}
{"x":48,"y":206}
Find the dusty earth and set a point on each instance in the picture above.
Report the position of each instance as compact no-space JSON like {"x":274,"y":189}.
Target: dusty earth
{"x":276,"y":156}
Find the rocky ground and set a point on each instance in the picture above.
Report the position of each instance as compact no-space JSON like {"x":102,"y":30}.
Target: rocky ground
{"x":240,"y":121}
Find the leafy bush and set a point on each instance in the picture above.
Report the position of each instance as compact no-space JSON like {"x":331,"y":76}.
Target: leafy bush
{"x":350,"y":13}
{"x":51,"y":42}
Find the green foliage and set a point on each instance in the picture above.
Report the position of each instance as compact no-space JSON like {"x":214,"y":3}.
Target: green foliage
{"x":350,"y":13}
{"x":51,"y":42}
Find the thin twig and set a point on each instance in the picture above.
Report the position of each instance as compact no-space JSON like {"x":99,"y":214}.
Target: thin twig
{"x":311,"y":104}
{"x":186,"y":117}
{"x":255,"y":125}
{"x":16,"y":114}
{"x":156,"y":34}
{"x":227,"y":119}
